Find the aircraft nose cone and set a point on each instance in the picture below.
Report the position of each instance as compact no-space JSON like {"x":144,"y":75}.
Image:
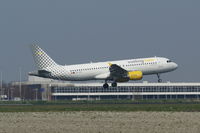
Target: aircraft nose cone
{"x":175,"y":66}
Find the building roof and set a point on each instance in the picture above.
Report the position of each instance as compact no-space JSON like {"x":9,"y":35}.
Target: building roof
{"x":61,"y":83}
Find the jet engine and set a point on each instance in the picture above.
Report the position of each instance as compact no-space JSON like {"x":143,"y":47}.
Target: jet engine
{"x":135,"y":75}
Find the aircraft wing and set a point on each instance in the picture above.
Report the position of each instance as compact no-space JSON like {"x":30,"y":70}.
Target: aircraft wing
{"x":116,"y":72}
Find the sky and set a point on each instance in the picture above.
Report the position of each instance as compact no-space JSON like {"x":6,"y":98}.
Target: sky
{"x":81,"y":31}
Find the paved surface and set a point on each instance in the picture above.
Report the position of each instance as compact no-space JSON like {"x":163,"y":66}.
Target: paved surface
{"x":100,"y":122}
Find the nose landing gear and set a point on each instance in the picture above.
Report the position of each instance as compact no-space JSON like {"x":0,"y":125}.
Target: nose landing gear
{"x":159,"y":79}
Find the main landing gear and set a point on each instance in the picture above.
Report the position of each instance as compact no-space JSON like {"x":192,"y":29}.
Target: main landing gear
{"x":159,"y":79}
{"x":113,"y":84}
{"x":105,"y":86}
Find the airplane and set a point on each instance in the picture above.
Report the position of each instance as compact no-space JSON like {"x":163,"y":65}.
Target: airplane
{"x":114,"y":71}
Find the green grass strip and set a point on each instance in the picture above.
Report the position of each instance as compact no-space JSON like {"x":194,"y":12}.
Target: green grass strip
{"x":102,"y":107}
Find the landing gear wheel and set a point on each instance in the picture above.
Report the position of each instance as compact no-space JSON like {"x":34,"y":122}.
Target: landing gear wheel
{"x":105,"y":86}
{"x":114,"y":84}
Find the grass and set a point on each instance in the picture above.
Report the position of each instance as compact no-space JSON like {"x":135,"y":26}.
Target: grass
{"x":105,"y":105}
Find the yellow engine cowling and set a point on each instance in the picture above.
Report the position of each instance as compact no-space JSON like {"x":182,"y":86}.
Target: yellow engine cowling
{"x":135,"y":75}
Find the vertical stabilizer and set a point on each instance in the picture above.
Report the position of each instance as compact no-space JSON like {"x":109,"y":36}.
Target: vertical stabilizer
{"x":42,"y":60}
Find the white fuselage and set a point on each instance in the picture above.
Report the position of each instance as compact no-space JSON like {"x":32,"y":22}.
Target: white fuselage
{"x":100,"y":70}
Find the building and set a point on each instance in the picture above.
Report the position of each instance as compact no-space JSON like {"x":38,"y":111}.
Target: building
{"x":58,"y":90}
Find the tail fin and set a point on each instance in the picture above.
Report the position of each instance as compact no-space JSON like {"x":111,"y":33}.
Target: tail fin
{"x":42,"y":60}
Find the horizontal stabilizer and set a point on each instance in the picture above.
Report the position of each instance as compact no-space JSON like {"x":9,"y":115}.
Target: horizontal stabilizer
{"x":40,"y":73}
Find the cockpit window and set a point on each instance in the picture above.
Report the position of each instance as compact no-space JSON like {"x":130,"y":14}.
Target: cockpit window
{"x":168,"y":61}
